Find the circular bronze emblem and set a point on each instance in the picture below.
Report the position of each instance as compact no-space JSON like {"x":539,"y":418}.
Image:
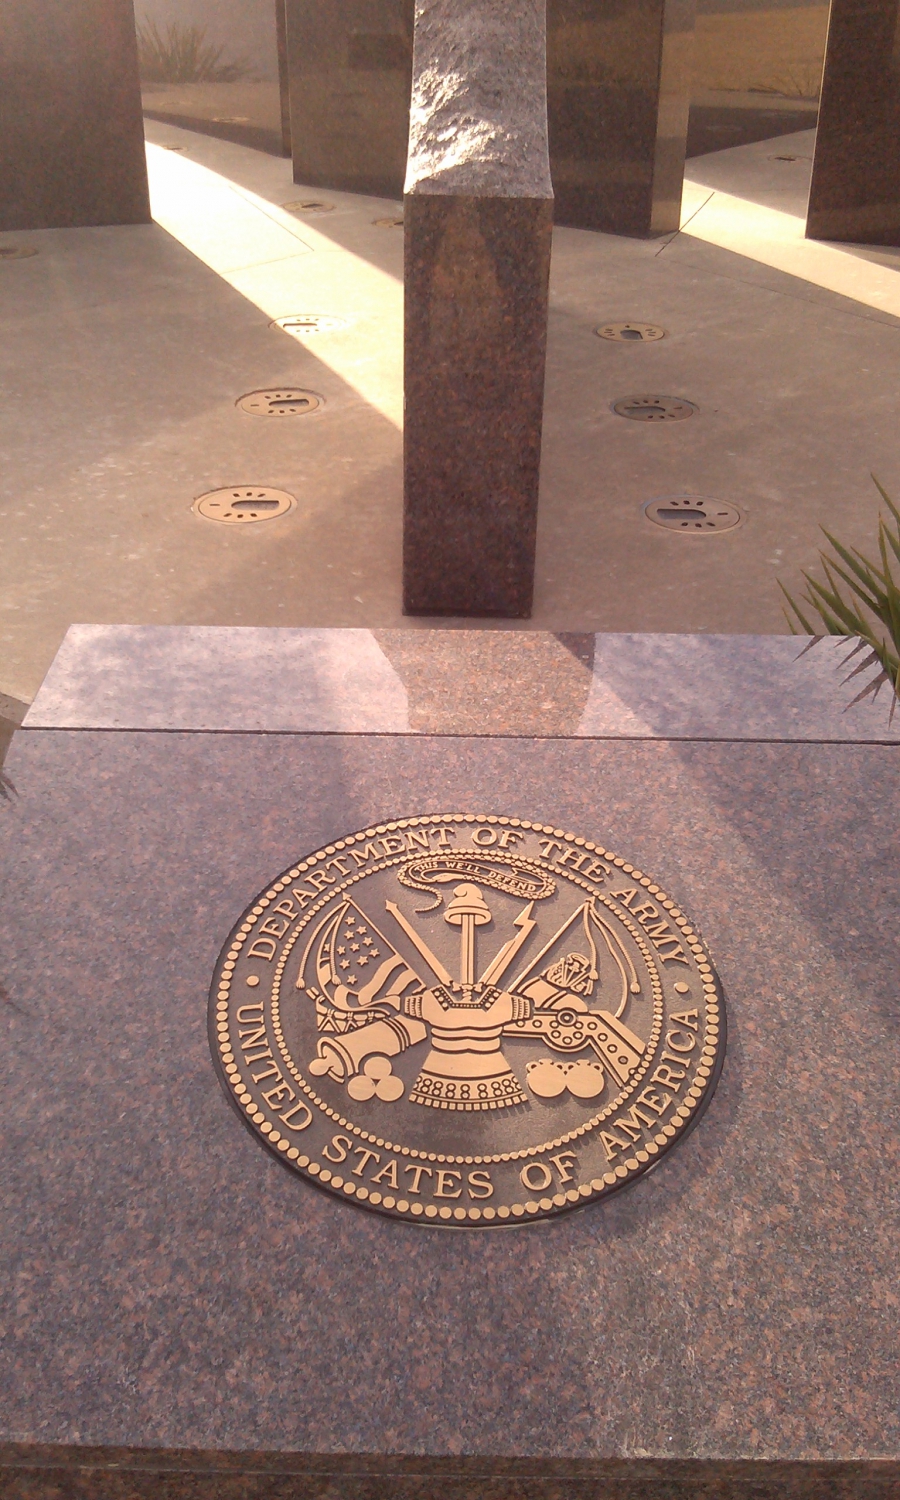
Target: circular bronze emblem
{"x":466,"y":1020}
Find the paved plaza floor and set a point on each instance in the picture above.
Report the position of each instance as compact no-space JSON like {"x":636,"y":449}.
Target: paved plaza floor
{"x":125,"y":350}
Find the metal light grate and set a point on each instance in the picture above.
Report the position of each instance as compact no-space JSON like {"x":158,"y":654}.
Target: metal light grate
{"x":631,"y":333}
{"x":693,"y":515}
{"x":286,"y":401}
{"x":243,"y":505}
{"x":309,"y":206}
{"x":654,"y":408}
{"x":305,"y":325}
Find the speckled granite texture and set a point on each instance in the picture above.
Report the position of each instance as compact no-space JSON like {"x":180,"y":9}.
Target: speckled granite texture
{"x":478,"y":217}
{"x":855,"y":189}
{"x":71,"y":132}
{"x":618,"y":94}
{"x":496,"y":682}
{"x":168,"y":1286}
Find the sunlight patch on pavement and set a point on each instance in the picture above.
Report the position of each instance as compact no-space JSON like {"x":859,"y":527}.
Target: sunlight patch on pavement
{"x":263,"y":253}
{"x":776,"y":239}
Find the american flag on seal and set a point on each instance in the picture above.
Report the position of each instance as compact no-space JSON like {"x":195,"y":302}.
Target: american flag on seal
{"x":358,"y":974}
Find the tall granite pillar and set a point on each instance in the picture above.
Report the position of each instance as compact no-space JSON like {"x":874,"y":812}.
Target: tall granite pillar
{"x":855,"y":190}
{"x":284,"y":78}
{"x":618,"y":94}
{"x":71,"y":131}
{"x":350,"y":64}
{"x":478,"y":219}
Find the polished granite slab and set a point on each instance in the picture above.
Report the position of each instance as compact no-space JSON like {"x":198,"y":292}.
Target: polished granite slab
{"x":855,"y":190}
{"x":185,"y":1319}
{"x":349,"y":66}
{"x":726,"y":1327}
{"x":71,"y":134}
{"x":618,"y":94}
{"x":495,"y":682}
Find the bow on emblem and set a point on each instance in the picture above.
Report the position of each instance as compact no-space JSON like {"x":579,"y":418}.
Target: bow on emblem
{"x":373,"y":1003}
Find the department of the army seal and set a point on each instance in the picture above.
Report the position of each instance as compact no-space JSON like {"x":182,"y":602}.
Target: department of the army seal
{"x":466,"y":1020}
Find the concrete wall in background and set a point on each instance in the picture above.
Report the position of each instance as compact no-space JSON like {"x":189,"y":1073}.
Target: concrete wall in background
{"x":246,"y":108}
{"x":245,"y":29}
{"x":757,"y":70}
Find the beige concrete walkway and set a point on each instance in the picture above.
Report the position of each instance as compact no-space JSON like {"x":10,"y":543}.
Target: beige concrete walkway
{"x":124,"y":351}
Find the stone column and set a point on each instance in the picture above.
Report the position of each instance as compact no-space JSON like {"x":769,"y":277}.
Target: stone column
{"x":478,"y":219}
{"x":350,"y":63}
{"x":71,"y":130}
{"x":618,"y":90}
{"x":284,"y":78}
{"x":855,"y":190}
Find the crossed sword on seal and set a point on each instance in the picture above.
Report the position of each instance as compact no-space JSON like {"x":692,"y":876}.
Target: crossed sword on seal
{"x":467,"y":1017}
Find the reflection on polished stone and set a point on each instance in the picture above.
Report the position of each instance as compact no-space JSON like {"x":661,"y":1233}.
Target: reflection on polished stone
{"x":246,"y":112}
{"x":757,"y":69}
{"x":213,"y":66}
{"x":313,"y":680}
{"x":855,"y":191}
{"x":618,"y":89}
{"x":350,"y":65}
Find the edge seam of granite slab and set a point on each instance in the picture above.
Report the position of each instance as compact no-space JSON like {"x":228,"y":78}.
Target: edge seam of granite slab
{"x":852,"y":1477}
{"x":456,"y":682}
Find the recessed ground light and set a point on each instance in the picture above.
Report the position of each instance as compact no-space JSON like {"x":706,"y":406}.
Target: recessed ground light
{"x":285,"y":401}
{"x":244,"y":504}
{"x":788,"y":157}
{"x":231,"y":119}
{"x":693,"y":515}
{"x":654,"y":408}
{"x":303,"y":325}
{"x":174,"y":148}
{"x":396,"y":223}
{"x":17,"y":252}
{"x":309,"y":206}
{"x":631,"y":333}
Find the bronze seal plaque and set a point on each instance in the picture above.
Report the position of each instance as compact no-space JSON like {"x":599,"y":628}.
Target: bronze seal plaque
{"x":466,"y":1020}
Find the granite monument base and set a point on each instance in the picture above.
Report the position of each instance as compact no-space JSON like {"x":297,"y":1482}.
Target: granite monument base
{"x":185,"y":1318}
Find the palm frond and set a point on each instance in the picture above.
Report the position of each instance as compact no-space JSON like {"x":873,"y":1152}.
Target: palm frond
{"x":870,"y":611}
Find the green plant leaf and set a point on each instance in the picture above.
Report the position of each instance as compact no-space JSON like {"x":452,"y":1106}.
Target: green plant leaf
{"x":808,"y":629}
{"x":181,"y":54}
{"x":871,"y":611}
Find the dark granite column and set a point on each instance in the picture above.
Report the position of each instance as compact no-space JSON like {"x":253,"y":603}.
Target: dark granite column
{"x":284,"y":81}
{"x":478,"y":211}
{"x":350,"y":64}
{"x":618,"y":94}
{"x":71,"y":132}
{"x":855,"y":192}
